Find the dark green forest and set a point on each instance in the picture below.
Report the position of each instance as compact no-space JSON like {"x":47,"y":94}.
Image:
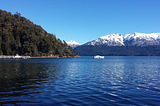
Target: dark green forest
{"x":19,"y":35}
{"x":91,"y":50}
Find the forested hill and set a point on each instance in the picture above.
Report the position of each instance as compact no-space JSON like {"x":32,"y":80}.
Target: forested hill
{"x":19,"y":35}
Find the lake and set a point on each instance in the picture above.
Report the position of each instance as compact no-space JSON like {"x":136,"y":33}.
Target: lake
{"x":115,"y":80}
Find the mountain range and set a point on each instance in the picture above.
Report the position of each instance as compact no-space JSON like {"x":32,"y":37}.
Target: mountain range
{"x":135,"y":39}
{"x":117,"y":44}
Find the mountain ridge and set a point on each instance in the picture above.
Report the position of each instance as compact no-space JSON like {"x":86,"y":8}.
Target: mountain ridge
{"x":116,"y":39}
{"x":140,"y":39}
{"x":135,"y":44}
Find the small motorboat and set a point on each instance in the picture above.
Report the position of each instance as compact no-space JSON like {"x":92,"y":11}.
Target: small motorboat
{"x":98,"y":57}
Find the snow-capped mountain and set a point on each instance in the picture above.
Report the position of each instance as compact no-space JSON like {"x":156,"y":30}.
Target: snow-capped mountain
{"x":108,"y":40}
{"x":135,"y":39}
{"x":73,"y":44}
{"x":141,"y":39}
{"x":135,"y":44}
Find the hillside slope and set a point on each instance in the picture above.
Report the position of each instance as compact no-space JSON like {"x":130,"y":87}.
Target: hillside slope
{"x":19,"y":35}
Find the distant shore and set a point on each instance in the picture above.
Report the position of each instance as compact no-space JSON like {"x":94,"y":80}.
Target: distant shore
{"x":57,"y":57}
{"x":25,"y":57}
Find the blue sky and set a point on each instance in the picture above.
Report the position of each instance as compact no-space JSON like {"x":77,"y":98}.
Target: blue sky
{"x":86,"y":20}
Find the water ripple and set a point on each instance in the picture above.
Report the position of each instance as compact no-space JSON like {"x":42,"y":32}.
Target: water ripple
{"x":81,"y":81}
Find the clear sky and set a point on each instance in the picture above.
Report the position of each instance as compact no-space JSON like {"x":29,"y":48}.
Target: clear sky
{"x":86,"y":20}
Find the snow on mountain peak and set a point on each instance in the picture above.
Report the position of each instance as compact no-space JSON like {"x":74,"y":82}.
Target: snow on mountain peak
{"x":109,"y":40}
{"x":134,"y":39}
{"x":115,"y":39}
{"x":73,"y":43}
{"x":141,"y":39}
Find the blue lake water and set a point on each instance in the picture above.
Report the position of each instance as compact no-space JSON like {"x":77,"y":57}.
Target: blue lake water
{"x":115,"y":80}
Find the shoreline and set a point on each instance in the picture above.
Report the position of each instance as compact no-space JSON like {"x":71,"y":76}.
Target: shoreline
{"x":56,"y":57}
{"x":29,"y":57}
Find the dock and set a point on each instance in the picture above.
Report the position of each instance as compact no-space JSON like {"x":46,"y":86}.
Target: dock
{"x":14,"y":57}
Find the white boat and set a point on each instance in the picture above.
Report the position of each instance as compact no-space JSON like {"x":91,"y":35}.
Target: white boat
{"x":98,"y":57}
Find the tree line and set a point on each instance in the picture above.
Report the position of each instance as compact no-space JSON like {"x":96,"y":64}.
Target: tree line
{"x":91,"y":50}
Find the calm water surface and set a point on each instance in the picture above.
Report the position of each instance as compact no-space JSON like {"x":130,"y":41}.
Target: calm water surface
{"x":86,"y":81}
